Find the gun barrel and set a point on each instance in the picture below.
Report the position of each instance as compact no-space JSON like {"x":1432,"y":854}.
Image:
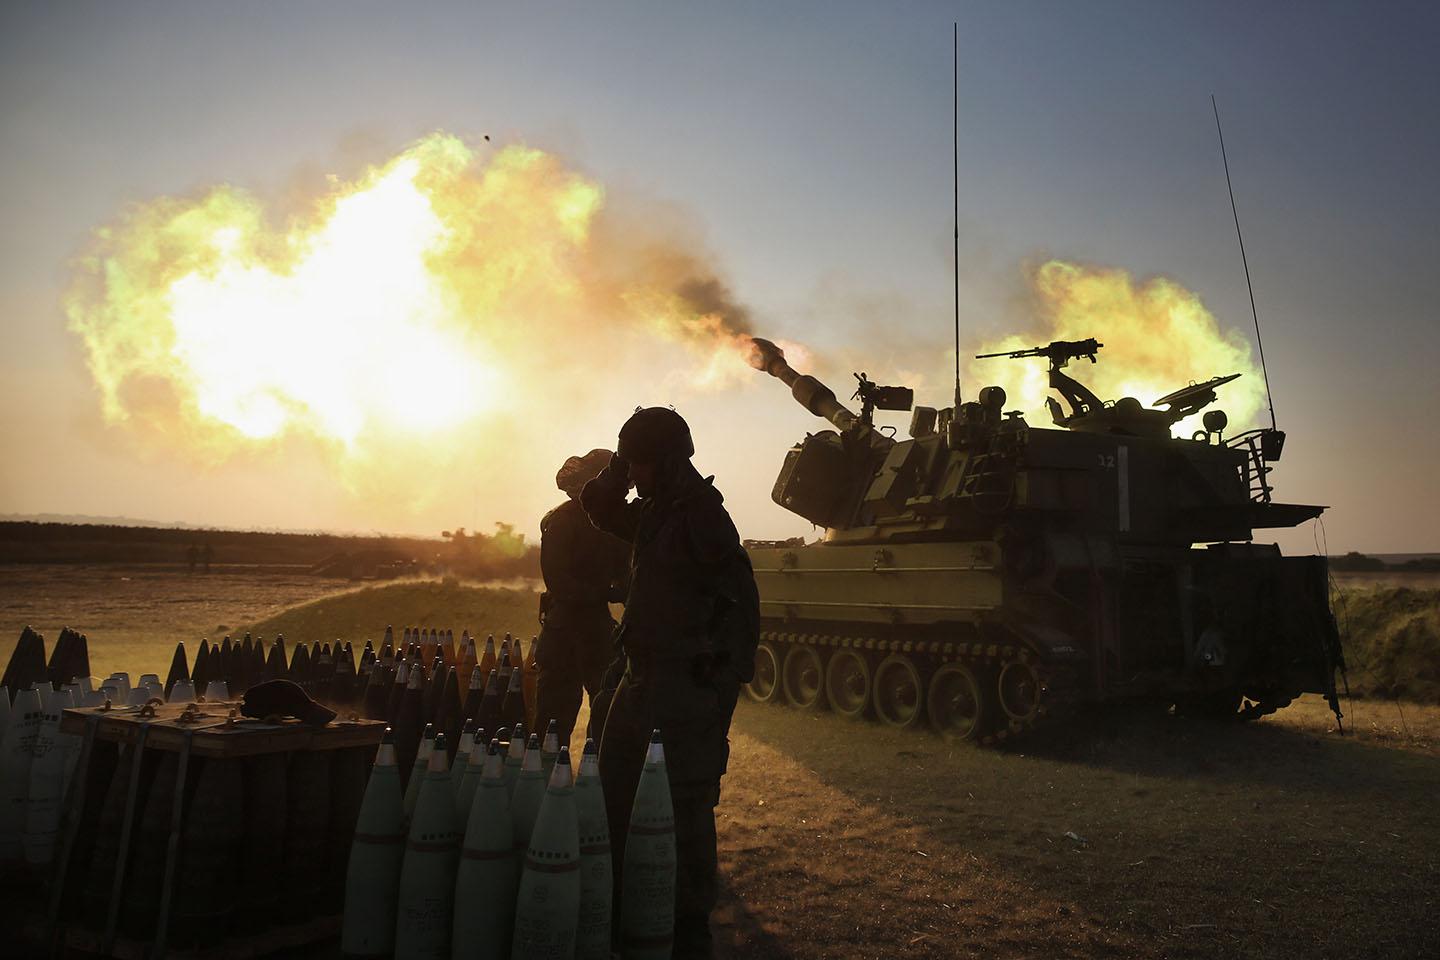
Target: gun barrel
{"x":807,"y":391}
{"x":1032,"y":352}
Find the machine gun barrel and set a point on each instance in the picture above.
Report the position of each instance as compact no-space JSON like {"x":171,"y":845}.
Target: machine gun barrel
{"x":1032,"y":352}
{"x":809,"y":392}
{"x":1060,"y":352}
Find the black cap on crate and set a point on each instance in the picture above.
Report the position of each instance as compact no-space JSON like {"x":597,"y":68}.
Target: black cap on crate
{"x":283,"y":698}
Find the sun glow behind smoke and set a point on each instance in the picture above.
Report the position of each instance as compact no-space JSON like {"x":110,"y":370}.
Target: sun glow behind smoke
{"x":442,"y":288}
{"x":1158,"y":337}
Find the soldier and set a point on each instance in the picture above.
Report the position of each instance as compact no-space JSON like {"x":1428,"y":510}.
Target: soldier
{"x":584,"y":570}
{"x":687,"y":641}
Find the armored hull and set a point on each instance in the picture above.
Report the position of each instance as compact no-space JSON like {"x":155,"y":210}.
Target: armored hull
{"x":984,"y":576}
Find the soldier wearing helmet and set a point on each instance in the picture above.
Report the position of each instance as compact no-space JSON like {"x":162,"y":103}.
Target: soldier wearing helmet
{"x":686,"y":640}
{"x":584,"y":569}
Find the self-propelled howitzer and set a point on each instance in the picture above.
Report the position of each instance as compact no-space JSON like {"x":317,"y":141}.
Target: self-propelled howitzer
{"x":983,"y":573}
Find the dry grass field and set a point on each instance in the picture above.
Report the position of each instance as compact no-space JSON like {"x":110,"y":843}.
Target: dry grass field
{"x":363,"y":614}
{"x":1124,"y":835}
{"x":134,"y":615}
{"x":1417,"y":580}
{"x":1391,"y":628}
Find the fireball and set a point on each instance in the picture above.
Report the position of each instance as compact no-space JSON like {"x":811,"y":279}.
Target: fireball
{"x":438,"y":290}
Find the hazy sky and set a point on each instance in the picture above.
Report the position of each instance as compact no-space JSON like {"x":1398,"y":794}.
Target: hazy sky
{"x":810,"y":143}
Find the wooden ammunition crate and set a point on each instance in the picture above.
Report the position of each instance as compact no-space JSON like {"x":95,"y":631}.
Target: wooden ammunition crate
{"x":217,"y":730}
{"x":296,"y":938}
{"x":191,"y":831}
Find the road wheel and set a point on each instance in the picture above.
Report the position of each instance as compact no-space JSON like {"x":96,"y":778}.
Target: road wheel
{"x":803,"y":678}
{"x":1020,"y":689}
{"x":764,"y":686}
{"x":958,"y":703}
{"x":847,"y":684}
{"x":899,"y":694}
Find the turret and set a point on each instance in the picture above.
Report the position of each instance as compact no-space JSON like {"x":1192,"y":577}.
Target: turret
{"x":1114,"y":470}
{"x":825,"y":476}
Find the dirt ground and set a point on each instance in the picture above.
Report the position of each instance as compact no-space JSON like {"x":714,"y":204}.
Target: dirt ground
{"x":1127,"y":836}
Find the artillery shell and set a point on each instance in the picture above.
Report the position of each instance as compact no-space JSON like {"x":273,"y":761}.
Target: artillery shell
{"x":461,"y":763}
{"x":427,"y":874}
{"x":417,"y":771}
{"x":592,"y":933}
{"x":647,"y":900}
{"x":550,"y":748}
{"x":47,"y":780}
{"x":547,"y":908}
{"x":17,"y":753}
{"x":514,"y":756}
{"x":372,"y":877}
{"x":513,"y":711}
{"x":486,"y":880}
{"x":488,"y":660}
{"x":489,"y":715}
{"x":179,"y":668}
{"x":529,"y":792}
{"x":27,"y":663}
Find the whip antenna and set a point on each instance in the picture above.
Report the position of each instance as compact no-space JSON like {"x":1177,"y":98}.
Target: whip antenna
{"x":1269,"y":397}
{"x":955,"y":176}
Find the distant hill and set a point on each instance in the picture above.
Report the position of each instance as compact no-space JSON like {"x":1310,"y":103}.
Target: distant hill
{"x":501,"y":555}
{"x":1355,"y":562}
{"x":82,"y":519}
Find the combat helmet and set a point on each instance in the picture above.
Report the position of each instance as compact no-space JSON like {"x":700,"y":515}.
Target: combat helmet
{"x":654,"y":433}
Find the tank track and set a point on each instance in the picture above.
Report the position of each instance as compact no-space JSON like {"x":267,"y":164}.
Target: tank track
{"x":985,"y":689}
